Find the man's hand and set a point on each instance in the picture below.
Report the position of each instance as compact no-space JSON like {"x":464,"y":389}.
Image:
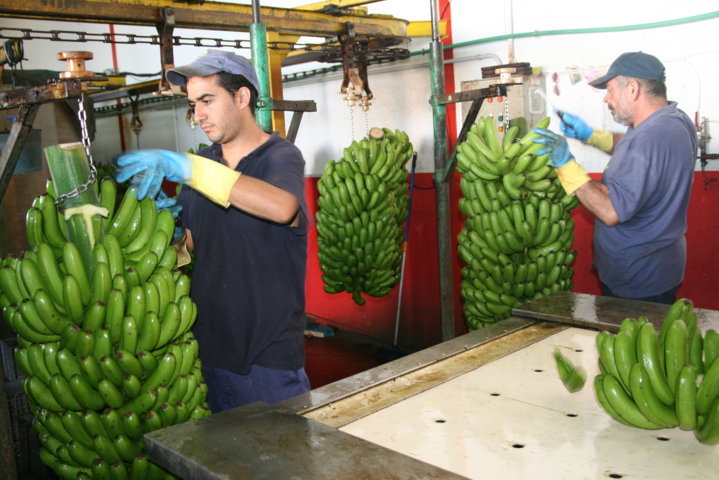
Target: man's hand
{"x":163,"y":202}
{"x":574,"y":127}
{"x":212,"y":179}
{"x":555,"y":146}
{"x":151,"y":168}
{"x":571,"y":175}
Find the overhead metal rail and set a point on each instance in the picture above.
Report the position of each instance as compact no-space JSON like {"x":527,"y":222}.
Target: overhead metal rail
{"x":205,"y":16}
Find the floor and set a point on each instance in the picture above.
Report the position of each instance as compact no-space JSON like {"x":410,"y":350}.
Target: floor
{"x":340,"y":355}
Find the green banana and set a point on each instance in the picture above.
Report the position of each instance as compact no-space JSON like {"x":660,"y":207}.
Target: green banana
{"x":34,"y":228}
{"x":675,"y":354}
{"x":60,"y":388}
{"x":708,"y":433}
{"x":623,"y":404}
{"x":648,"y":355}
{"x":607,"y":357}
{"x":110,"y":393}
{"x":129,"y":363}
{"x":624,"y":356}
{"x":72,"y":298}
{"x":708,"y":389}
{"x":47,"y":263}
{"x":73,"y":423}
{"x":40,"y":394}
{"x":648,"y":403}
{"x":82,"y":455}
{"x":50,"y":316}
{"x":149,"y":216}
{"x":711,"y":346}
{"x":572,"y":378}
{"x":686,"y":392}
{"x":72,"y":260}
{"x":132,"y":426}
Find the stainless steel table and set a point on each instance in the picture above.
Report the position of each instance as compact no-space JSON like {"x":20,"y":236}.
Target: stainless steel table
{"x":488,"y":404}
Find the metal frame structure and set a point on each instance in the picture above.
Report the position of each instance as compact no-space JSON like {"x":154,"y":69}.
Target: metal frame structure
{"x":277,"y":24}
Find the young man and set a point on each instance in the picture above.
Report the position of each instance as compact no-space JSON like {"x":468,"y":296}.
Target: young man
{"x":641,"y":203}
{"x":245,"y":219}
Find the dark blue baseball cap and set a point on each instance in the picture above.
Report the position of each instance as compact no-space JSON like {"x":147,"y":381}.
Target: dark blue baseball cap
{"x":212,"y":62}
{"x":632,"y":64}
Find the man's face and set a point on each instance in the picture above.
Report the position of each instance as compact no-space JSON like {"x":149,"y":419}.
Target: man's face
{"x":618,"y":101}
{"x":215,"y":110}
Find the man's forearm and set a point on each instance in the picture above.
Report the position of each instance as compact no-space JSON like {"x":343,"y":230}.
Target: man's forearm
{"x":265,"y":200}
{"x":595,"y":197}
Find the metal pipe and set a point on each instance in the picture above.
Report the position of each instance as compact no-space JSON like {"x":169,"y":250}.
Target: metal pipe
{"x":444,"y":230}
{"x":258,"y":41}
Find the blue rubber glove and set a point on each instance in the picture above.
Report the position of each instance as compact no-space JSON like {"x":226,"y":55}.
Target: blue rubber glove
{"x":212,"y":179}
{"x":163,"y":202}
{"x":574,"y":127}
{"x":555,"y":146}
{"x":150,"y":168}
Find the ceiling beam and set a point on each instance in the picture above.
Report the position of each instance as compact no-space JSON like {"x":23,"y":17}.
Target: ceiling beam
{"x":205,"y":16}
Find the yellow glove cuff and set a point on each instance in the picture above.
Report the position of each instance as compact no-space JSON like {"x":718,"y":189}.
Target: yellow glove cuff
{"x":604,"y":141}
{"x":212,"y":179}
{"x":572,"y":176}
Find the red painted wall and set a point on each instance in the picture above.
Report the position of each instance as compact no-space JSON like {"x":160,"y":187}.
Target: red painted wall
{"x":420,"y":324}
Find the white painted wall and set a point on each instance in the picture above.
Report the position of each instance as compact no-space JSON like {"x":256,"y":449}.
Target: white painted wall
{"x":402,"y":90}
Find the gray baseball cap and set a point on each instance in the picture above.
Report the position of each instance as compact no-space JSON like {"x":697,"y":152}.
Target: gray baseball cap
{"x":212,"y":62}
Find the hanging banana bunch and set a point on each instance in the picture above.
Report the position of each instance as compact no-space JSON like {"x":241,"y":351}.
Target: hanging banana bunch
{"x":363,"y":205}
{"x":517,"y":238}
{"x":105,"y":345}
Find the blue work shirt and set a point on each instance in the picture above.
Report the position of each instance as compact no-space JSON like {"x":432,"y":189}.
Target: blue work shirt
{"x":649,"y":178}
{"x":249,"y":276}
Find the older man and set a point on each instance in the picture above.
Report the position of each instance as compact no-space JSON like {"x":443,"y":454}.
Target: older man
{"x":641,"y":202}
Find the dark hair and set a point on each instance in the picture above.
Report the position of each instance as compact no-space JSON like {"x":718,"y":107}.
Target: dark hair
{"x":232,"y":83}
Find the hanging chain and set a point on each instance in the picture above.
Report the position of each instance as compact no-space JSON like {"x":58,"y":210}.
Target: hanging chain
{"x":82,"y":116}
{"x":352,"y":122}
{"x":366,"y":122}
{"x":136,"y":123}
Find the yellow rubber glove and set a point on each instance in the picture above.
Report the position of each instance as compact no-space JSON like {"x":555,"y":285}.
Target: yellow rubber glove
{"x":572,"y":176}
{"x":212,"y":179}
{"x":604,"y":141}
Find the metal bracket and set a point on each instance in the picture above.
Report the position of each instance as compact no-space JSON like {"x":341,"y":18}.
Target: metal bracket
{"x":167,"y":57}
{"x":296,"y":106}
{"x":28,"y":100}
{"x":19,"y":132}
{"x":355,"y":84}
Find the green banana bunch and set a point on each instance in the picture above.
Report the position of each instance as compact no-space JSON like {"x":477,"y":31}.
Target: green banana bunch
{"x":516,"y":243}
{"x":363,"y":205}
{"x":106,"y":348}
{"x":654,"y":380}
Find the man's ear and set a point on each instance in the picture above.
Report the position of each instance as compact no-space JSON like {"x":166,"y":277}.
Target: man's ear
{"x":243,"y":96}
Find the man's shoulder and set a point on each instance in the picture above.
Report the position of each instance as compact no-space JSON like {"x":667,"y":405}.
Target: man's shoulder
{"x":277,"y":145}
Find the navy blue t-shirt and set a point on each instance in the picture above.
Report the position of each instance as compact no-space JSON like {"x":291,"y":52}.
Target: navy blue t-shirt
{"x":649,"y":178}
{"x":249,"y":275}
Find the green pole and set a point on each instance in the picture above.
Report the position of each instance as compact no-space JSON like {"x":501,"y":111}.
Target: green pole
{"x":444,"y":228}
{"x":258,"y":41}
